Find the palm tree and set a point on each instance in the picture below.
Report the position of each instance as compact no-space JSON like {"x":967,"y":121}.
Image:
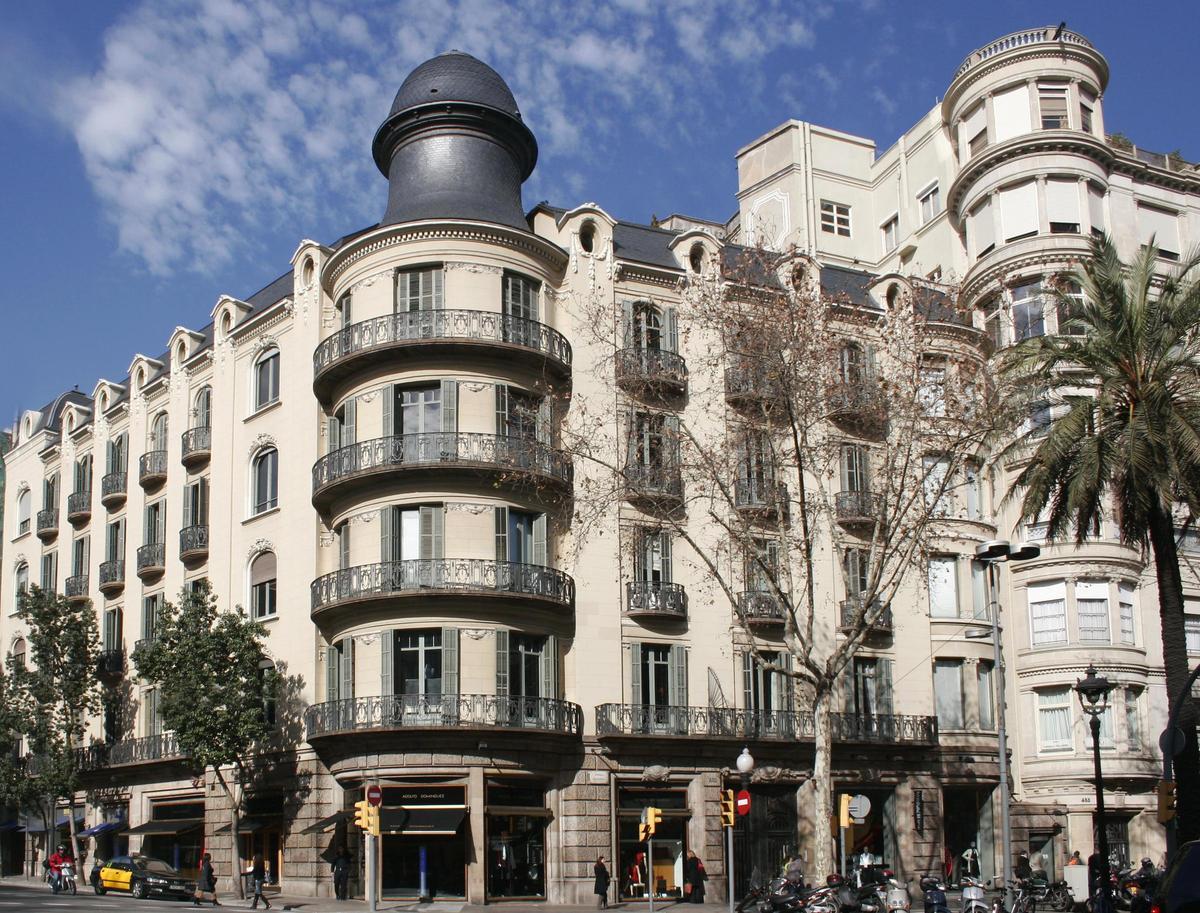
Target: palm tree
{"x":1124,"y":377}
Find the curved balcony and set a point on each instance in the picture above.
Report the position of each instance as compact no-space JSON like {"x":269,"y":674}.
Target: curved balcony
{"x":112,"y":577}
{"x":151,"y":560}
{"x":499,"y":457}
{"x":1046,"y":253}
{"x":858,"y":509}
{"x":47,"y":524}
{"x":447,"y":711}
{"x":761,"y":609}
{"x":148,"y":750}
{"x":653,"y":371}
{"x":432,"y":577}
{"x":760,"y":498}
{"x":748,"y":383}
{"x":112,"y":489}
{"x":75,"y":588}
{"x":110,"y":663}
{"x":616,"y":720}
{"x":857,"y":405}
{"x":850,"y":610}
{"x":1021,"y":39}
{"x":193,"y":543}
{"x":152,"y":469}
{"x":653,"y":485}
{"x":196,"y":446}
{"x":79,"y":506}
{"x":646,"y":599}
{"x":412,"y":333}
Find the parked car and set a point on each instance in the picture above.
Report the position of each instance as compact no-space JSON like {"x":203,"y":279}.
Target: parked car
{"x":1179,"y":890}
{"x":144,"y":876}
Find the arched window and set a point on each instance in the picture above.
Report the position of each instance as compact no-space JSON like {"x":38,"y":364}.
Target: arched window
{"x":647,"y":326}
{"x":118,"y":449}
{"x":22,"y":583}
{"x":893,"y":295}
{"x":268,"y":681}
{"x":18,"y":653}
{"x":83,"y":473}
{"x":24,"y":507}
{"x":587,"y":236}
{"x":202,"y":408}
{"x":266,"y":378}
{"x":158,"y":432}
{"x":265,"y":480}
{"x":262,"y":586}
{"x":851,"y":363}
{"x":696,"y":258}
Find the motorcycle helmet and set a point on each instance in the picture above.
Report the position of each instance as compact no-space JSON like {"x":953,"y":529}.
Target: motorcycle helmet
{"x":62,"y":848}
{"x":1146,"y":861}
{"x":834,"y":881}
{"x":928,"y":883}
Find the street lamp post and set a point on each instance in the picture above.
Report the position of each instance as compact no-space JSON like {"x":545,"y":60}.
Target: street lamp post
{"x":991,"y":554}
{"x":1093,"y":698}
{"x":745,"y":764}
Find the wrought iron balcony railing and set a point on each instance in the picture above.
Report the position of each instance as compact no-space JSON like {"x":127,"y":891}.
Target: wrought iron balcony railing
{"x":501,"y":453}
{"x":112,"y":576}
{"x":858,"y":508}
{"x":146,"y":750}
{"x":196,"y":445}
{"x":47,"y":524}
{"x":433,"y":576}
{"x":76,"y":587}
{"x":735,"y":723}
{"x":748,"y":380}
{"x":79,"y":506}
{"x":193,"y":542}
{"x":649,"y":598}
{"x":760,"y":495}
{"x":152,"y":468}
{"x":151,"y":559}
{"x":111,"y":661}
{"x":662,"y":482}
{"x":638,"y":369}
{"x":759,"y":607}
{"x":447,"y":711}
{"x":112,"y":488}
{"x":857,"y":397}
{"x":853,"y":606}
{"x":423,"y":328}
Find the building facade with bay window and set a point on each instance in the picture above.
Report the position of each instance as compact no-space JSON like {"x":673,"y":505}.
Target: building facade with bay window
{"x":365,"y":456}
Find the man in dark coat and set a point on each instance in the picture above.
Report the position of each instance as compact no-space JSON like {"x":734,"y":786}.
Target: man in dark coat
{"x":694,"y":876}
{"x":341,"y":874}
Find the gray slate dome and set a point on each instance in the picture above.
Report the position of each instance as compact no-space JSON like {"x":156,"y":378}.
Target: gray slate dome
{"x":454,"y":145}
{"x":455,"y":76}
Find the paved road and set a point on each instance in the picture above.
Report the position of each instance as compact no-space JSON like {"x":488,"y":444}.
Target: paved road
{"x":17,"y":898}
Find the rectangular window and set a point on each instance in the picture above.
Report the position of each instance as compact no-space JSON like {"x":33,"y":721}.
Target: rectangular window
{"x":1054,"y":719}
{"x":1091,"y":603}
{"x":1107,"y":738}
{"x":1127,"y":596}
{"x":948,"y":693}
{"x":420,"y":410}
{"x":1070,"y":311}
{"x":652,"y":558}
{"x":114,"y":541}
{"x":835,"y":218}
{"x":931,"y":394}
{"x":854,"y":468}
{"x":891,"y":234}
{"x":973,"y":491}
{"x":1160,"y":226}
{"x":345,"y":311}
{"x":1052,"y":100}
{"x":1133,"y":719}
{"x":987,"y":695}
{"x":943,"y":587}
{"x":419,"y":290}
{"x":521,"y":296}
{"x":1096,"y":209}
{"x":1062,"y":206}
{"x":1010,"y":112}
{"x":868,"y":687}
{"x":1191,"y":633}
{"x":982,"y":228}
{"x":50,"y":572}
{"x":1027,"y":315}
{"x":938,"y":494}
{"x":262,"y":586}
{"x":266,"y":481}
{"x":195,"y":504}
{"x":1087,"y":105}
{"x":1048,"y":613}
{"x":972,"y":131}
{"x":150,"y":608}
{"x":762,"y":567}
{"x":1019,"y":211}
{"x":931,"y":204}
{"x":79,"y":556}
{"x":979,"y":595}
{"x":156,"y":520}
{"x":857,"y":564}
{"x":419,"y":664}
{"x":113,"y":635}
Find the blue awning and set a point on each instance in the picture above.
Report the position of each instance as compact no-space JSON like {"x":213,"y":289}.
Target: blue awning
{"x":36,"y":826}
{"x":10,"y":826}
{"x":104,"y":827}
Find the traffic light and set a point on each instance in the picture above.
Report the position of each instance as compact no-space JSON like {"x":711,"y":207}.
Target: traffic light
{"x":653,"y":818}
{"x":643,"y":832}
{"x":844,"y":810}
{"x":727,"y":809}
{"x":362,"y":814}
{"x":373,"y":821}
{"x":1166,"y":801}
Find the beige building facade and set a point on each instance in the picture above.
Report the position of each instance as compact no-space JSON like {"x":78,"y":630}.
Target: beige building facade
{"x":364,"y":455}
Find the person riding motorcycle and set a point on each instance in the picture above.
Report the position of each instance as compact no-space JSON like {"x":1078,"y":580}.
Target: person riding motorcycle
{"x":57,"y":860}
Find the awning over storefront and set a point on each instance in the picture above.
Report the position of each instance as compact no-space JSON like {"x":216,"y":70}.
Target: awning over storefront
{"x":37,"y":826}
{"x":328,"y":823}
{"x":428,"y":820}
{"x":9,"y":826}
{"x":249,"y":825}
{"x":104,"y":827}
{"x":182,"y":826}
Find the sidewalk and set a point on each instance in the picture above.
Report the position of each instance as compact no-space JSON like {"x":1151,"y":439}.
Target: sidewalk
{"x":326,"y":905}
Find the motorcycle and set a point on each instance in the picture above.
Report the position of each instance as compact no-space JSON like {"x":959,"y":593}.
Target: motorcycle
{"x":935,"y":895}
{"x":65,"y":879}
{"x":973,"y":899}
{"x":1057,"y":896}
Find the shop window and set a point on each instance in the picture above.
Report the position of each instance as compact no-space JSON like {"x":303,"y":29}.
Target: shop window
{"x":637,"y":875}
{"x":516,"y":845}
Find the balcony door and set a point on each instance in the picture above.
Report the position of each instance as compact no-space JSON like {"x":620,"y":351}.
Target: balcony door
{"x":767,"y":693}
{"x":411,"y":546}
{"x":659,"y":686}
{"x":417,"y":290}
{"x":854,"y":468}
{"x":868,"y":689}
{"x":526,"y":671}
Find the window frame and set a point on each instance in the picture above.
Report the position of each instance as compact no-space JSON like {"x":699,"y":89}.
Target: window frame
{"x":889,"y":232}
{"x":1064,"y":703}
{"x":259,"y":505}
{"x":931,"y":195}
{"x":835,"y":218}
{"x":269,"y":360}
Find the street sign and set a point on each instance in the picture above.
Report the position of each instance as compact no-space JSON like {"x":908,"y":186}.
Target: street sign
{"x":375,"y":795}
{"x":860,"y":807}
{"x":743,"y":802}
{"x":1171,"y":741}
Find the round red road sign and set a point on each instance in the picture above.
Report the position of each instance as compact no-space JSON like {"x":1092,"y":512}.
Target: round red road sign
{"x":743,"y":802}
{"x":375,"y":795}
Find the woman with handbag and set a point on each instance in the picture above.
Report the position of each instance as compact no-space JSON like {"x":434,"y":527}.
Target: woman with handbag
{"x":206,"y":883}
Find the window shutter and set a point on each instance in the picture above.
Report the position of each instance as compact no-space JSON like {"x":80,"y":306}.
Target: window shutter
{"x":501,"y":663}
{"x":389,"y":405}
{"x":635,"y":673}
{"x":664,"y":538}
{"x":631,"y":442}
{"x":543,"y":429}
{"x":670,"y":334}
{"x":789,"y":683}
{"x":1019,"y":210}
{"x":550,"y":668}
{"x":678,"y":675}
{"x":501,"y":514}
{"x":450,"y":405}
{"x":189,"y":499}
{"x":335,"y":435}
{"x":1062,"y":201}
{"x":1096,"y":207}
{"x":502,"y":409}
{"x":202,"y":508}
{"x":343,"y":534}
{"x":450,"y":661}
{"x":1011,"y":110}
{"x":748,"y":680}
{"x":982,"y":225}
{"x":387,"y":534}
{"x":627,"y":325}
{"x":386,"y":683}
{"x":346,"y":667}
{"x":432,"y":531}
{"x":883,"y":685}
{"x":349,"y":429}
{"x":671,"y":442}
{"x":849,"y":705}
{"x":539,"y":541}
{"x":1160,"y":224}
{"x":332,"y":673}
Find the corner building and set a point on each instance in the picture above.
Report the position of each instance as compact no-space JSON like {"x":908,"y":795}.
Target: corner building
{"x":364,"y":456}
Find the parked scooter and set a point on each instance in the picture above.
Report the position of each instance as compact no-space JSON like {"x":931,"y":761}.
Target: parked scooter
{"x":973,"y":899}
{"x":934,"y":890}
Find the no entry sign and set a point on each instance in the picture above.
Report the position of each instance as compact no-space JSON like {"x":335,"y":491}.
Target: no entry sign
{"x":375,"y":795}
{"x":743,"y":802}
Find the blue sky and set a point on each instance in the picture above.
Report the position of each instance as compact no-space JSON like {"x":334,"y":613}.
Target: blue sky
{"x":159,"y":153}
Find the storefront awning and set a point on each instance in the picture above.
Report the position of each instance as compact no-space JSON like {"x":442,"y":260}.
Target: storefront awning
{"x":528,"y":811}
{"x":428,"y":820}
{"x":325,"y":824}
{"x":249,"y":825}
{"x":37,"y":826}
{"x":104,"y":827}
{"x":10,"y":826}
{"x":182,"y":826}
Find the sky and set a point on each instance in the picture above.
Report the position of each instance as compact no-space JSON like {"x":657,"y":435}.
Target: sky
{"x":156,"y":154}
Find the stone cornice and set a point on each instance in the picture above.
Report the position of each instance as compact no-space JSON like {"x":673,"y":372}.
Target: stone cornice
{"x":1059,"y":51}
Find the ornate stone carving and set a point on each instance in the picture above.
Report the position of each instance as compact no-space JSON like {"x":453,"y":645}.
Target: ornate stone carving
{"x":656,"y":773}
{"x":476,"y":633}
{"x":467,"y":507}
{"x":261,"y":441}
{"x":259,"y":546}
{"x":481,"y":268}
{"x":19,"y":560}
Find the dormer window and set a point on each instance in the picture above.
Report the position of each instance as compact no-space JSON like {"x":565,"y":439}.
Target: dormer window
{"x":696,"y":259}
{"x":587,"y":236}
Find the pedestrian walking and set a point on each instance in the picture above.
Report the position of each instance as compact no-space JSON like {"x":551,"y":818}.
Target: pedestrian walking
{"x":341,"y":874}
{"x":206,"y":883}
{"x":258,"y":875}
{"x":601,"y":886}
{"x":694,"y":878}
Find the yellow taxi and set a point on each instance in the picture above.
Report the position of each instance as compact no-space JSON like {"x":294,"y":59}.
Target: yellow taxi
{"x":143,"y":876}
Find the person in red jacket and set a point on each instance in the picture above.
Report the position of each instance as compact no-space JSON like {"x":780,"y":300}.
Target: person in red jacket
{"x":60,"y":857}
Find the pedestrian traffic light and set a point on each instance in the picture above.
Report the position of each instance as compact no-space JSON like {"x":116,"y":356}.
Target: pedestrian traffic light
{"x":727,"y":809}
{"x":362,"y":814}
{"x":643,"y":832}
{"x":373,"y":821}
{"x":1166,"y":801}
{"x":653,"y":818}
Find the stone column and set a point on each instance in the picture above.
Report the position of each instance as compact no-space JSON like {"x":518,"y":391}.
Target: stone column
{"x":477,"y":852}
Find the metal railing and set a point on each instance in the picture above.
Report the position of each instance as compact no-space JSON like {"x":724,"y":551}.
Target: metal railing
{"x":79,"y":503}
{"x":662,"y":481}
{"x":1017,"y":40}
{"x":730,"y":722}
{"x":193,"y":539}
{"x":47,"y":521}
{"x":111,"y":661}
{"x":446,"y":711}
{"x":761,"y":606}
{"x":76,"y":587}
{"x":196,"y":441}
{"x":857,"y":395}
{"x":654,"y":598}
{"x":409,"y":327}
{"x":152,"y":465}
{"x":164,"y":747}
{"x":749,"y":378}
{"x":112,"y":572}
{"x":514,"y":454}
{"x":421,"y":575}
{"x":151,"y":557}
{"x":651,"y":366}
{"x":858,"y":506}
{"x":113,"y":485}
{"x":760,"y":494}
{"x":853,"y":606}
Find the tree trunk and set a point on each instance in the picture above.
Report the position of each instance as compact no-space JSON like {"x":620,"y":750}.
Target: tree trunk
{"x":235,"y":822}
{"x":1175,"y":659}
{"x":821,"y":787}
{"x":71,"y":831}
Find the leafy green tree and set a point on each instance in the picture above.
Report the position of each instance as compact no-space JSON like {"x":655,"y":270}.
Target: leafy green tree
{"x":1123,"y":376}
{"x":207,"y":666}
{"x":59,"y":691}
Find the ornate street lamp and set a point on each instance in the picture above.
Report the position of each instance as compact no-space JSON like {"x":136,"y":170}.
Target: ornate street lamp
{"x":745,"y":765}
{"x":1093,"y":698}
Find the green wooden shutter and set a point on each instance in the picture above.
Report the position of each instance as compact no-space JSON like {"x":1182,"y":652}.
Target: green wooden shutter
{"x":387,"y":534}
{"x":349,"y":430}
{"x":748,"y":680}
{"x":883,"y":685}
{"x":386,"y":668}
{"x":202,"y":509}
{"x":389,"y":406}
{"x":670,"y":336}
{"x":439,"y":297}
{"x":635,"y":673}
{"x":502,"y":663}
{"x":789,"y":683}
{"x":501,"y":514}
{"x":335,"y":435}
{"x":678,"y":675}
{"x":539,"y":541}
{"x":501,"y":409}
{"x":433,"y":532}
{"x":332,"y":673}
{"x":450,"y":661}
{"x":450,"y":405}
{"x":343,"y":534}
{"x":347,"y":668}
{"x":664,"y":537}
{"x":626,"y":324}
{"x":189,"y":499}
{"x":550,"y":668}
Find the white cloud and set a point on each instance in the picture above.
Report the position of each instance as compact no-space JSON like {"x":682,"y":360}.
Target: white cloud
{"x":207,"y":120}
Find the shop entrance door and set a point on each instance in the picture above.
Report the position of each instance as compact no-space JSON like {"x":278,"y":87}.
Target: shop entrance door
{"x":444,"y":860}
{"x":764,"y":839}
